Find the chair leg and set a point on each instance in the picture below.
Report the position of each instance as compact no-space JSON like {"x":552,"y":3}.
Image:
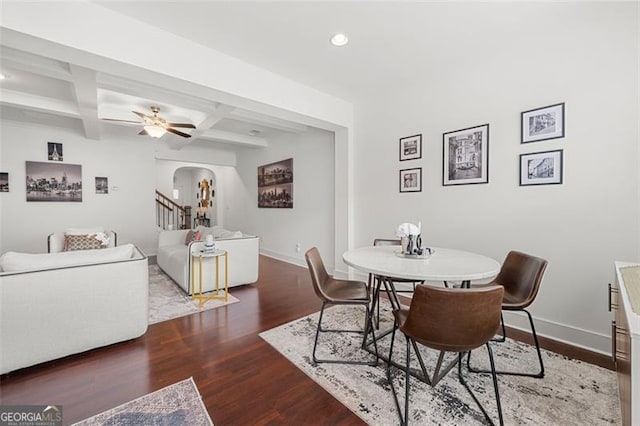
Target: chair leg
{"x":538,"y":375}
{"x":495,"y":387}
{"x":390,"y":380}
{"x":368,"y":326}
{"x":504,"y":331}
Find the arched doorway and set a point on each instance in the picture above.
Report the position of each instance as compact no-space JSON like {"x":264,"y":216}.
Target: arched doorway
{"x":197,"y":187}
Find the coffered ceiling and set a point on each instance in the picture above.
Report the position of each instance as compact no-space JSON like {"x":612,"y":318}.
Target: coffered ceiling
{"x":41,"y":89}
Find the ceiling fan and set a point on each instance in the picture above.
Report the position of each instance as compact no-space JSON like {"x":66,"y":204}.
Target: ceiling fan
{"x":156,"y":126}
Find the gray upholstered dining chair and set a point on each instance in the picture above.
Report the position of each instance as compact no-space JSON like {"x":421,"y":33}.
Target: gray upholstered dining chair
{"x":520,"y":276}
{"x":332,"y":291}
{"x":450,"y":320}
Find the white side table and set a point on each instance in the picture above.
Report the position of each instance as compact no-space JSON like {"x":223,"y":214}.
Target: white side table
{"x":197,"y":295}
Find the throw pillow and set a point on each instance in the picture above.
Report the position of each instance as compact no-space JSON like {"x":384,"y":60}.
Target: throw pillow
{"x":191,"y":236}
{"x":81,"y":242}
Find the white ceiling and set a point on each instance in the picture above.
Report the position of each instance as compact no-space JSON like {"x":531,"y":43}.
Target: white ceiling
{"x":390,"y":41}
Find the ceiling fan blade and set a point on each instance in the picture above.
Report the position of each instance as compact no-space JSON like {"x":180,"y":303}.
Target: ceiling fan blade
{"x":121,"y":121}
{"x":177,"y":132}
{"x":141,"y":115}
{"x":187,"y":125}
{"x":143,"y":132}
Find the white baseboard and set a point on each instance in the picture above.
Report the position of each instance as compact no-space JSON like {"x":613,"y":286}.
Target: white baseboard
{"x":574,"y":336}
{"x":284,"y":258}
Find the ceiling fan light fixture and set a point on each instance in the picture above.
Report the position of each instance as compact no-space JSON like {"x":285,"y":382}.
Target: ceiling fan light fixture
{"x":155,"y":131}
{"x":339,"y":39}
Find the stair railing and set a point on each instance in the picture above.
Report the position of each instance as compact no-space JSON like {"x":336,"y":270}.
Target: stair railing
{"x":171,"y":215}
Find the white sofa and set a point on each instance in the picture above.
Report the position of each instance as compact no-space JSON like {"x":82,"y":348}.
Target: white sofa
{"x":57,"y":304}
{"x":175,"y":260}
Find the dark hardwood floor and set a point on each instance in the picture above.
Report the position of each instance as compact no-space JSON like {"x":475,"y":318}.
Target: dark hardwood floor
{"x":241,"y":378}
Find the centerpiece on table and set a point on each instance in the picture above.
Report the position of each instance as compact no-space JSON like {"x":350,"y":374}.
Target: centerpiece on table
{"x":411,"y":241}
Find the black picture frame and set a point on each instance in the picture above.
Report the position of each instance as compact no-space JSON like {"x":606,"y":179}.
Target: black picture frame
{"x":102,"y":185}
{"x":542,"y":124}
{"x":4,"y":182}
{"x":411,"y":147}
{"x":465,"y":156}
{"x":542,"y":168}
{"x":411,"y":180}
{"x":54,"y":151}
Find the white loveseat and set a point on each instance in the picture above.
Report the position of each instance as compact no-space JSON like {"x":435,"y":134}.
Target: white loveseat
{"x":57,"y":304}
{"x":175,"y":260}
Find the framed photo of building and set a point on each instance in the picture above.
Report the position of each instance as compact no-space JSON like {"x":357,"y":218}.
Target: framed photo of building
{"x":542,"y":124}
{"x":541,"y":168}
{"x":102,"y":185}
{"x":411,"y":147}
{"x":275,"y":185}
{"x":465,"y":156}
{"x":4,"y":182}
{"x":53,"y":182}
{"x":54,"y":151}
{"x":411,"y":180}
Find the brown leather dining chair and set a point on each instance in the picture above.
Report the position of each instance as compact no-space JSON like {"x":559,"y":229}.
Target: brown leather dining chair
{"x":452,"y":320}
{"x":520,"y":275}
{"x":332,"y":291}
{"x":375,"y":282}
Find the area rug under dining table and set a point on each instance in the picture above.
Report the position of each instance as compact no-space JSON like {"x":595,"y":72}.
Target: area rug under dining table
{"x":571,"y":393}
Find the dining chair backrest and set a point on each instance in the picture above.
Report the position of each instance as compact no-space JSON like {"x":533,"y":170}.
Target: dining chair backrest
{"x":386,"y":242}
{"x":319,"y":275}
{"x":521,"y":275}
{"x":454,"y":320}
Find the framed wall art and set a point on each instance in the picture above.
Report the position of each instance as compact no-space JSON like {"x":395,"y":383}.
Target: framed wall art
{"x":411,"y":147}
{"x":411,"y":180}
{"x":4,"y":182}
{"x":541,"y":168}
{"x":542,"y":124}
{"x":465,"y":156}
{"x":54,"y":151}
{"x":275,"y":185}
{"x":102,"y":185}
{"x":53,"y":182}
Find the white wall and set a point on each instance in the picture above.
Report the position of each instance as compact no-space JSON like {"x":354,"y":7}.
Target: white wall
{"x":581,"y":226}
{"x":311,"y":221}
{"x":128,"y":210}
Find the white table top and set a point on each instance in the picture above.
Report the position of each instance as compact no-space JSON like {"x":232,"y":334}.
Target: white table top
{"x":443,"y":265}
{"x":202,"y":253}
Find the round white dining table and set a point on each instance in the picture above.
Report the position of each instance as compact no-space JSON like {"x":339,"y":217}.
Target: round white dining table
{"x":442,"y":265}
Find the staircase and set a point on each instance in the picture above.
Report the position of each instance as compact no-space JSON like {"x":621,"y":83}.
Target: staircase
{"x":170,"y":215}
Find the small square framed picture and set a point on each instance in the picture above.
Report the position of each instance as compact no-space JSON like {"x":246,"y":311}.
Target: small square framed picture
{"x":542,"y":124}
{"x":54,"y":151}
{"x":541,"y":168}
{"x":411,"y":147}
{"x":411,"y":180}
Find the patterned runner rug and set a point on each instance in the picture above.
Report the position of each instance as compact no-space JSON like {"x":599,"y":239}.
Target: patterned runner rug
{"x":571,"y":393}
{"x":177,"y":404}
{"x":168,"y":301}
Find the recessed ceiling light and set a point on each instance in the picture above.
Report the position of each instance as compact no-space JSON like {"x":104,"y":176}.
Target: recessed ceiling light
{"x":3,"y":76}
{"x":254,"y":132}
{"x":339,"y":39}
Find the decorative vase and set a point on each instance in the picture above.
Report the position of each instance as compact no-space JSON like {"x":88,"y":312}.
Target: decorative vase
{"x":209,"y":244}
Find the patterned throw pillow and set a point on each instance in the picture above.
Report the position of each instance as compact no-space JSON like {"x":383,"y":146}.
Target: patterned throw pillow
{"x":82,"y":242}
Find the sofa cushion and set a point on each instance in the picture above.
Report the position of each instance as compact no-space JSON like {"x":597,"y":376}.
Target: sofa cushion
{"x":83,"y":231}
{"x":191,"y":236}
{"x":17,"y":262}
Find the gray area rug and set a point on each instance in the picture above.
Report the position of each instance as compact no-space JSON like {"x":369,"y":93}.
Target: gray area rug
{"x":177,"y":404}
{"x":571,"y":393}
{"x":168,"y":301}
